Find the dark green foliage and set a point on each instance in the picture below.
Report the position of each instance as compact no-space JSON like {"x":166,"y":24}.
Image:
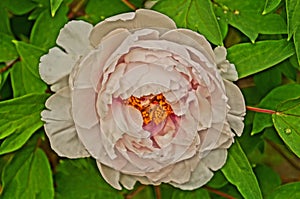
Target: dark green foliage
{"x":263,"y":40}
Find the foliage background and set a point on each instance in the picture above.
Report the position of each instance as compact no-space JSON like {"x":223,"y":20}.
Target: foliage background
{"x":263,"y":41}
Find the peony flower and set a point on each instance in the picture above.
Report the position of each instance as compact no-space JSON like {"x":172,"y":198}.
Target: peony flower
{"x":150,"y":102}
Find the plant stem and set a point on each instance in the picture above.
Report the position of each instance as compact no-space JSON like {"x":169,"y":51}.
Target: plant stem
{"x":5,"y":68}
{"x":220,"y":193}
{"x":129,"y":4}
{"x":132,"y":194}
{"x":157,"y":192}
{"x":260,"y":110}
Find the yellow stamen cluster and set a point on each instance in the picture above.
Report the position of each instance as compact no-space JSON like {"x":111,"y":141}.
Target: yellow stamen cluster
{"x":153,"y":108}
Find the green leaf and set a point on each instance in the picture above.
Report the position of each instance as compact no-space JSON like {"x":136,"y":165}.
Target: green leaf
{"x":28,"y":175}
{"x":19,"y":119}
{"x":8,"y":50}
{"x":81,"y":179}
{"x":46,"y":28}
{"x":270,"y":5}
{"x":287,"y":123}
{"x":54,"y":6}
{"x":245,"y":15}
{"x":252,"y":58}
{"x":267,"y":179}
{"x":19,"y":7}
{"x":218,"y":180}
{"x":267,"y":80}
{"x":197,"y":15}
{"x":238,"y":171}
{"x":99,"y":10}
{"x":271,"y":101}
{"x":297,"y":44}
{"x":25,"y":74}
{"x":198,"y":193}
{"x":287,"y":191}
{"x":4,"y":22}
{"x":293,"y":16}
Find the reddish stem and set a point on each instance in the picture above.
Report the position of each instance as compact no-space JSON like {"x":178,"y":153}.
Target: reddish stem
{"x":157,"y":192}
{"x":5,"y":68}
{"x":220,"y":193}
{"x":260,"y":110}
{"x":129,"y":4}
{"x":135,"y":192}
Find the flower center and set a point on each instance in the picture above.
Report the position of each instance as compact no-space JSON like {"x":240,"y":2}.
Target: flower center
{"x":153,"y":108}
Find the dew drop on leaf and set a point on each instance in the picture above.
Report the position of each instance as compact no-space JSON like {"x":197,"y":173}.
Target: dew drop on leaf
{"x":288,"y":131}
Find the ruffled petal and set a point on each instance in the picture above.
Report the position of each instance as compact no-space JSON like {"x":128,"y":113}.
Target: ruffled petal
{"x":128,"y":181}
{"x":55,"y":65}
{"x":60,"y":127}
{"x":199,"y":177}
{"x":192,"y":39}
{"x":226,"y":69}
{"x":84,"y":107}
{"x":74,"y":38}
{"x":215,"y":159}
{"x":142,"y":18}
{"x":237,"y":107}
{"x":110,"y":175}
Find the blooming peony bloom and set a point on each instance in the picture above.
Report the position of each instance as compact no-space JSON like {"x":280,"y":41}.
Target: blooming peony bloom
{"x":150,"y":102}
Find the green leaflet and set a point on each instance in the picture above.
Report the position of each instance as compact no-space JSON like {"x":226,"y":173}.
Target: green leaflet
{"x":54,"y":4}
{"x":287,"y":123}
{"x":28,"y":176}
{"x":271,"y":101}
{"x":252,"y":58}
{"x":267,"y":80}
{"x":297,"y":44}
{"x":238,"y":171}
{"x":25,"y":74}
{"x":81,"y":179}
{"x":197,"y":15}
{"x":19,"y":119}
{"x":287,"y":191}
{"x":267,"y":179}
{"x":270,"y":5}
{"x":19,"y":7}
{"x":46,"y":28}
{"x":198,"y":193}
{"x":245,"y":15}
{"x":95,"y":12}
{"x":8,"y":50}
{"x":293,"y":16}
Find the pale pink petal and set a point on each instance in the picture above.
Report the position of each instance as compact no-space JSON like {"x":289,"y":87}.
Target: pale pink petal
{"x":74,"y":38}
{"x":142,"y":18}
{"x":199,"y":177}
{"x":215,"y":159}
{"x":190,"y":38}
{"x":55,"y":65}
{"x":209,"y":138}
{"x":227,"y":70}
{"x":62,"y":83}
{"x":84,"y":107}
{"x":128,"y":181}
{"x":237,"y":107}
{"x":60,"y":128}
{"x":91,"y":139}
{"x":110,"y":175}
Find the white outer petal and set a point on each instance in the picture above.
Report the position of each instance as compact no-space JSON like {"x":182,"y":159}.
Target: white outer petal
{"x":74,"y":38}
{"x":142,"y":18}
{"x":55,"y":65}
{"x":60,"y":127}
{"x":237,"y":105}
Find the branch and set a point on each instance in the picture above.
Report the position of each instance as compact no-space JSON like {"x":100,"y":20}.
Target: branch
{"x":129,"y":4}
{"x":260,"y":110}
{"x":220,"y":193}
